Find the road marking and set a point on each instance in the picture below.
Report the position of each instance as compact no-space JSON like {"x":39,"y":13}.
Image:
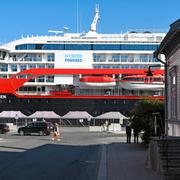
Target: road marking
{"x":102,"y":173}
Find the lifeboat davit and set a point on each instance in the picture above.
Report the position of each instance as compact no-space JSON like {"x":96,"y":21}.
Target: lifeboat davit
{"x":142,"y":82}
{"x":97,"y":82}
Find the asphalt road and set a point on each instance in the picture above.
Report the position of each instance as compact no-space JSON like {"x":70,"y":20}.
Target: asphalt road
{"x":76,"y":156}
{"x":80,"y":155}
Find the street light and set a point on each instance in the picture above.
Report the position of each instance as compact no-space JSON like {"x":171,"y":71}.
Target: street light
{"x":161,"y":58}
{"x":150,"y":73}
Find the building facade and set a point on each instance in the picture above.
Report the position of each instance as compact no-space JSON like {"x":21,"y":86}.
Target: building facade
{"x":170,"y":48}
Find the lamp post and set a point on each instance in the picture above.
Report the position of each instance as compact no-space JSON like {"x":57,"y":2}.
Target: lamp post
{"x":161,"y":58}
{"x":149,"y":73}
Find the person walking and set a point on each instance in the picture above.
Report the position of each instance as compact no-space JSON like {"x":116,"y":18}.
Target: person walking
{"x":56,"y":133}
{"x":128,"y":133}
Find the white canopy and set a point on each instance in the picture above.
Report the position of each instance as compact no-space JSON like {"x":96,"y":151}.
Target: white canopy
{"x":111,"y":115}
{"x":77,"y":115}
{"x":12,"y":114}
{"x":44,"y":115}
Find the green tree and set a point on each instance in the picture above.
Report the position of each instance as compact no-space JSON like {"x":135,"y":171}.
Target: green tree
{"x":142,"y":117}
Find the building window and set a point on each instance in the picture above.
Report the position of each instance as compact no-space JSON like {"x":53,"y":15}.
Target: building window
{"x":173,"y":92}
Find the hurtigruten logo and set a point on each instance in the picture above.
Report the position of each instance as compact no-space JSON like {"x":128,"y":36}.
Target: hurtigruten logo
{"x":73,"y":58}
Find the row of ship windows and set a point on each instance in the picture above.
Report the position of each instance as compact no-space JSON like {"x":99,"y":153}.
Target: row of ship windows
{"x":33,"y":57}
{"x":124,"y":58}
{"x":98,"y":66}
{"x":87,"y":47}
{"x":39,"y":79}
{"x":21,"y":67}
{"x":14,"y":68}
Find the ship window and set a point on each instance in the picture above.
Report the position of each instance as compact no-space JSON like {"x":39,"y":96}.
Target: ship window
{"x":77,"y":47}
{"x":157,"y":79}
{"x":50,"y":66}
{"x":87,"y":46}
{"x":106,"y":47}
{"x":124,"y":58}
{"x":50,"y":79}
{"x":43,"y":89}
{"x":13,"y":67}
{"x":41,"y":66}
{"x":143,"y":58}
{"x":21,"y":76}
{"x":32,"y":66}
{"x":3,"y":76}
{"x":53,"y":47}
{"x":23,"y":67}
{"x":3,"y":67}
{"x":38,"y":46}
{"x":40,"y":79}
{"x":116,"y":58}
{"x":115,"y":66}
{"x":106,"y":66}
{"x":50,"y":57}
{"x":153,"y":59}
{"x":32,"y":80}
{"x":96,"y":66}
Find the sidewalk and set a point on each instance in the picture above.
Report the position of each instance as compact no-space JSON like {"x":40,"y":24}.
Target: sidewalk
{"x":127,"y":162}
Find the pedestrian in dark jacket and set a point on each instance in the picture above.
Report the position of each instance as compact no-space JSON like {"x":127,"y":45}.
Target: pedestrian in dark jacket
{"x":136,"y":135}
{"x":128,"y":133}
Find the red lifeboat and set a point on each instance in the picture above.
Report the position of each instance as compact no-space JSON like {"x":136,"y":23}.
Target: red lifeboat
{"x":97,"y":82}
{"x":142,"y":82}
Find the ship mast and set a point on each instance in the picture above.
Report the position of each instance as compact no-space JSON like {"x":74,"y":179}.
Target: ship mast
{"x":95,"y":20}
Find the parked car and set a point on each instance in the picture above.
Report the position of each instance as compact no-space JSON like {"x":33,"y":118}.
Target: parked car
{"x":42,"y":128}
{"x":4,"y":128}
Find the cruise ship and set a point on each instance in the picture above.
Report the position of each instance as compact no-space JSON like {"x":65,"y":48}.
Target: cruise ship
{"x":89,"y":71}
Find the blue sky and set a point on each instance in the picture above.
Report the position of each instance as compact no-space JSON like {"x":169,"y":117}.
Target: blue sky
{"x":36,"y":17}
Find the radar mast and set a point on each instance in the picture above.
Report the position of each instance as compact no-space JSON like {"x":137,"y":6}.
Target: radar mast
{"x":95,"y":20}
